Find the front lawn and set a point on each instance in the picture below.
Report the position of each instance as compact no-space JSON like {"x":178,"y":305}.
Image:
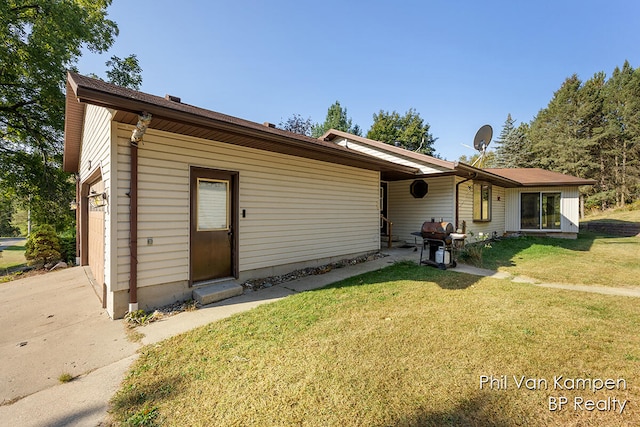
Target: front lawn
{"x":406,"y":345}
{"x":591,"y":259}
{"x":13,"y":256}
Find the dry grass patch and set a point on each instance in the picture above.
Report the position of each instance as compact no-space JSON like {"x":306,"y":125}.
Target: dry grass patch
{"x":406,"y":345}
{"x":629,"y":213}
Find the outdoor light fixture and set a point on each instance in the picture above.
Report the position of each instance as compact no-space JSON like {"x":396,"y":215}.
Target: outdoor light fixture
{"x":97,"y":200}
{"x":73,"y":205}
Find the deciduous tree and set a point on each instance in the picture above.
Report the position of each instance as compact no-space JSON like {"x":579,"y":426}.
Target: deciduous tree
{"x":41,"y":40}
{"x":297,"y":124}
{"x":125,"y":72}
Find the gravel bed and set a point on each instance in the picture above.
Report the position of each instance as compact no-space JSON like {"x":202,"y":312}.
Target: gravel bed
{"x":267,"y":282}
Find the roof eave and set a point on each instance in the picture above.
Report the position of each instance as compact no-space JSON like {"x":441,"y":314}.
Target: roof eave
{"x":73,"y":128}
{"x":424,"y":158}
{"x":105,"y":99}
{"x":477,"y":173}
{"x":559,"y":183}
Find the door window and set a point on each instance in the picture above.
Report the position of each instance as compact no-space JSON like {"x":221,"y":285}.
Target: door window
{"x":213,"y":204}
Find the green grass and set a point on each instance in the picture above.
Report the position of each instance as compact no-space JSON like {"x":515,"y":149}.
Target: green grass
{"x":65,"y":377}
{"x":406,"y":345}
{"x":590,"y":259}
{"x":13,"y":256}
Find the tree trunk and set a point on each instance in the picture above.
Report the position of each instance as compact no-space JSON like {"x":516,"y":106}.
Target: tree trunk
{"x":623,"y":189}
{"x":603,"y":186}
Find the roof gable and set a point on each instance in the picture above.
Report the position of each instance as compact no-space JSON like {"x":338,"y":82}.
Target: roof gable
{"x":440,"y":164}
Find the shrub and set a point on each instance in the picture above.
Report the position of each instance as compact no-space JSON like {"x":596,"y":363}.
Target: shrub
{"x":68,"y":246}
{"x":43,"y":246}
{"x":472,"y":254}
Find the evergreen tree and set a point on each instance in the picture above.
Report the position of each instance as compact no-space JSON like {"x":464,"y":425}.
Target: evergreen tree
{"x":592,"y":130}
{"x":620,"y":157}
{"x":337,"y":119}
{"x":409,"y":130}
{"x":556,"y":130}
{"x":504,"y":149}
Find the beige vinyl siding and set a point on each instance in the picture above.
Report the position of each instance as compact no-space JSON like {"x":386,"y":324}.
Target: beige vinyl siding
{"x":95,"y":142}
{"x":465,"y":213}
{"x":297,"y":209}
{"x":408,"y":213}
{"x":386,"y":155}
{"x":96,"y":155}
{"x":163,"y":216}
{"x":569,"y":207}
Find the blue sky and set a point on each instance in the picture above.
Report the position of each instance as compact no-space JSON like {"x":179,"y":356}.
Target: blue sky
{"x":460,"y":64}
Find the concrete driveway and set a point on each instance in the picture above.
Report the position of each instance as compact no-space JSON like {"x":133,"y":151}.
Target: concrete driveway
{"x":53,"y":324}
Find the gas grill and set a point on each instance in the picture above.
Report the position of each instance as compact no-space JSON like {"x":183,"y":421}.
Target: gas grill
{"x":439,"y":244}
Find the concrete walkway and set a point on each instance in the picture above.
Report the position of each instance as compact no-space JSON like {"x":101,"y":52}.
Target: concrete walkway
{"x":605,"y":290}
{"x":53,"y":324}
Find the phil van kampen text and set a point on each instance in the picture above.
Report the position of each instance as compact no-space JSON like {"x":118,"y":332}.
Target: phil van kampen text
{"x":562,"y":383}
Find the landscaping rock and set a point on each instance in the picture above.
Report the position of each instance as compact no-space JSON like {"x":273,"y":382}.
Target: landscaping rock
{"x":256,"y":284}
{"x":59,"y":265}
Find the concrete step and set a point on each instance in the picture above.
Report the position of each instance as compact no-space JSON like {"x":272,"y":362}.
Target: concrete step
{"x":217,"y":292}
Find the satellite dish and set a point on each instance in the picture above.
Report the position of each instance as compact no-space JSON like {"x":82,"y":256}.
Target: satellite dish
{"x":481,"y":142}
{"x":483,"y":138}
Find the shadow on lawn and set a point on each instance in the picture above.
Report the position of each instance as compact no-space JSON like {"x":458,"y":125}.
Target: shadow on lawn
{"x":480,"y":410}
{"x":409,"y":270}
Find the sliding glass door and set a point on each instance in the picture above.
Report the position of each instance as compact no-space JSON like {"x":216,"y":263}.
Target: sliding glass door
{"x":540,"y":211}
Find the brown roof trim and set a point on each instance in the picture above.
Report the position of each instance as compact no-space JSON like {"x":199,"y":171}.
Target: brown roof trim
{"x":536,"y":177}
{"x":73,"y":128}
{"x":331,"y":134}
{"x":469,"y":171}
{"x":447,"y":167}
{"x":508,"y":178}
{"x":226,"y":128}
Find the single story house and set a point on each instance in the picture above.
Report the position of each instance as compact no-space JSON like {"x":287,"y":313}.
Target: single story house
{"x":479,"y":202}
{"x":172,"y":197}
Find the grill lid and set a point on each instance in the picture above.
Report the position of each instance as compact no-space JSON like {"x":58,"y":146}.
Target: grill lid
{"x":436,"y":230}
